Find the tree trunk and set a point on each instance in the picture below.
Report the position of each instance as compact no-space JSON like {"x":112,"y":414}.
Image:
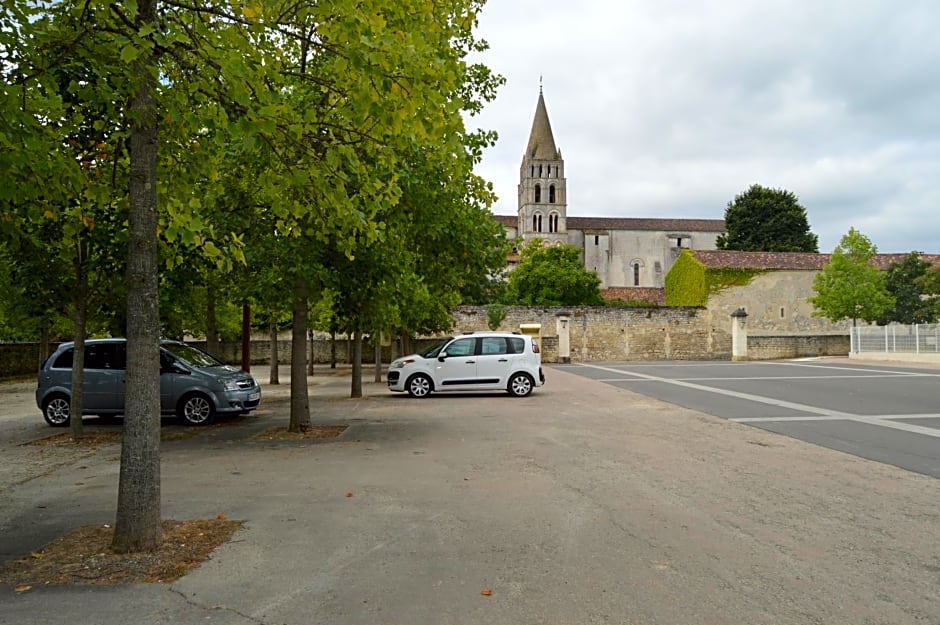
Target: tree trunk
{"x":76,"y":426}
{"x":246,"y":338}
{"x":310,"y":360}
{"x":213,"y":345}
{"x":356,"y":390}
{"x":299,"y":402}
{"x":378,"y":359}
{"x":332,"y":349}
{"x":137,"y":527}
{"x":43,"y":342}
{"x":275,"y":369}
{"x":405,"y":344}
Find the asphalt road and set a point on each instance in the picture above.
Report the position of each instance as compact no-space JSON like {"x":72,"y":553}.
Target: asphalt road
{"x":583,"y":504}
{"x":881,"y":412}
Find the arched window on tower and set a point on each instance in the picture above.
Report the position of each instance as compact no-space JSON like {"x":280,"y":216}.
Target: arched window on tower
{"x":532,"y":172}
{"x":551,"y":194}
{"x":538,"y":193}
{"x":553,"y":222}
{"x":537,"y":222}
{"x":636,"y":274}
{"x":540,"y":171}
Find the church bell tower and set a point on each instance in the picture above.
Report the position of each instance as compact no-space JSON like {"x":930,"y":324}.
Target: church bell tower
{"x":543,"y":198}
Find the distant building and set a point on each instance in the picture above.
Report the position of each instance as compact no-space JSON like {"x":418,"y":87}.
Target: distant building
{"x":626,"y":253}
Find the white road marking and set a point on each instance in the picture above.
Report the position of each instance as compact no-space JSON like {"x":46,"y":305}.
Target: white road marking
{"x":781,"y":377}
{"x":822,"y":412}
{"x":895,"y":372}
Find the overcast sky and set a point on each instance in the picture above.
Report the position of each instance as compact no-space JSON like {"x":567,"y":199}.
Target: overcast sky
{"x":669,"y":108}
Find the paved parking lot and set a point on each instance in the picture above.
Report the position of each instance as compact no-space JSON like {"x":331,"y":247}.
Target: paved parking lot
{"x":887,"y":413}
{"x":583,"y":503}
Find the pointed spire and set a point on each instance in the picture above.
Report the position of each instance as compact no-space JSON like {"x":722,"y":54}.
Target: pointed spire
{"x":541,"y":141}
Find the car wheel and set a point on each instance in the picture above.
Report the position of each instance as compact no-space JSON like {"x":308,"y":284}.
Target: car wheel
{"x":420,"y":385}
{"x":55,"y":410}
{"x":520,"y":385}
{"x":196,"y":409}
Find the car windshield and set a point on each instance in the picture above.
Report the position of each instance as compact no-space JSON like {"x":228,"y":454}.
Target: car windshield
{"x":191,"y":355}
{"x":435,"y":349}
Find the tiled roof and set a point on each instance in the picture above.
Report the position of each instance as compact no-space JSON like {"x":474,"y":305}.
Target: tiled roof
{"x":641,"y":223}
{"x":731,"y":259}
{"x":508,"y":221}
{"x":678,"y":226}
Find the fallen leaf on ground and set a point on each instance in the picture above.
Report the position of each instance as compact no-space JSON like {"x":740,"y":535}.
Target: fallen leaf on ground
{"x":486,"y":593}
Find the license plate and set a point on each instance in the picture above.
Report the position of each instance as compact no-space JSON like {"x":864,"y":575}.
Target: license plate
{"x":254,"y":396}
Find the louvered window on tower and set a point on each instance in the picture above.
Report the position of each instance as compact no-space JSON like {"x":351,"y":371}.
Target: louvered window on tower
{"x":551,"y":194}
{"x":538,"y":193}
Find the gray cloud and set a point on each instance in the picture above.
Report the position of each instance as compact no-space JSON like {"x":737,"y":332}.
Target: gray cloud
{"x":669,"y":109}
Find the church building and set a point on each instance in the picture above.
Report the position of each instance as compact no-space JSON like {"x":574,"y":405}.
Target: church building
{"x":626,"y":253}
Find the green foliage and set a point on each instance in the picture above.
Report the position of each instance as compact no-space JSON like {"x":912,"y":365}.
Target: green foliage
{"x":849,"y":287}
{"x":930,"y":285}
{"x":767,"y":220}
{"x":690,"y":283}
{"x":719,"y":279}
{"x":495,"y":314}
{"x":552,"y":275}
{"x":904,"y":280}
{"x":686,"y":284}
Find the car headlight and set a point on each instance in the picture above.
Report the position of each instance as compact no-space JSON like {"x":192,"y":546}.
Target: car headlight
{"x":230,"y":385}
{"x":398,"y":364}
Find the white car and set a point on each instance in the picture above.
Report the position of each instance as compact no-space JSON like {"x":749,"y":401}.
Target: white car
{"x":477,"y":361}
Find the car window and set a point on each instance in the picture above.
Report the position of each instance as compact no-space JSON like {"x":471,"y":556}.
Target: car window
{"x":64,"y":361}
{"x":493,"y":345}
{"x":516,"y":345}
{"x":461,"y":347}
{"x":435,"y":349}
{"x":104,"y":356}
{"x":188,"y":353}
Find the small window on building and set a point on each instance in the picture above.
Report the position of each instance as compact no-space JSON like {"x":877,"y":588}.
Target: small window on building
{"x":540,"y":171}
{"x":636,"y":274}
{"x":538,"y":193}
{"x":532,"y":172}
{"x":782,"y":313}
{"x":551,"y":194}
{"x":597,"y":240}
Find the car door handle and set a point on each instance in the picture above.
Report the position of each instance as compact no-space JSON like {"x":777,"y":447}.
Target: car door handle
{"x":471,"y":362}
{"x":503,"y":360}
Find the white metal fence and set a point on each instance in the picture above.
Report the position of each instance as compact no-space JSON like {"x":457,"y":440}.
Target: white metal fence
{"x":913,"y":339}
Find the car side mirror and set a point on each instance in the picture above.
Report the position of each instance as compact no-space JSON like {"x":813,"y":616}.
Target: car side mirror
{"x":442,"y":357}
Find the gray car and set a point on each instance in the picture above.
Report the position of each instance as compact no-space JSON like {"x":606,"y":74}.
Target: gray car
{"x":193,"y":385}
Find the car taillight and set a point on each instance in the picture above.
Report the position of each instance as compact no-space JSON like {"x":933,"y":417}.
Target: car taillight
{"x":535,"y":347}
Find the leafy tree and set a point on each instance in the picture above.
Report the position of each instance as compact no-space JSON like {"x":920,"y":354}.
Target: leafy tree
{"x":767,"y":220}
{"x":904,"y":280}
{"x":329,"y":95}
{"x":930,"y":284}
{"x":552,"y":275}
{"x":850,"y":287}
{"x":495,"y":314}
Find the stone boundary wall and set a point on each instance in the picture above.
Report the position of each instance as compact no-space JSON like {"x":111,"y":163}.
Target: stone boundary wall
{"x":773,"y":347}
{"x":598,"y":334}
